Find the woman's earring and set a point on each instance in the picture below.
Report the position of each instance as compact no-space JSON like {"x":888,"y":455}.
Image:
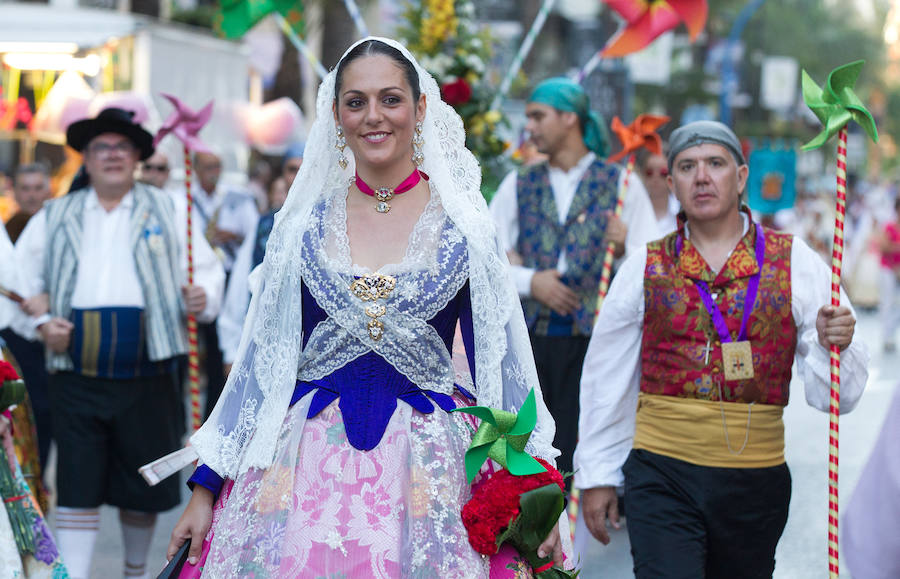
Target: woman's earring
{"x":418,"y":142}
{"x":339,"y":145}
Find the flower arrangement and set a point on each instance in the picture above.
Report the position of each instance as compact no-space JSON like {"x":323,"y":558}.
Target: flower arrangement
{"x":519,"y":504}
{"x":12,"y":391}
{"x":447,"y":42}
{"x":12,"y":388}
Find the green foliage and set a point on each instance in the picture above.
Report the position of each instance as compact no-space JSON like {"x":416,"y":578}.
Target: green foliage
{"x":449,"y":44}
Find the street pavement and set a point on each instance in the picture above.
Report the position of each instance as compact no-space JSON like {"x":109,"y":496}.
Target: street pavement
{"x":802,"y":552}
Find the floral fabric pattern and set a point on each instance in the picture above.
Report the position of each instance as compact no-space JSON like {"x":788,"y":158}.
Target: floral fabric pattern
{"x":542,"y":237}
{"x":45,"y":562}
{"x":677,"y":327}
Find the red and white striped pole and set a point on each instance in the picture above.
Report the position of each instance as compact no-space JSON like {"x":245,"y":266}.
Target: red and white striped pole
{"x":837,"y":257}
{"x":193,"y":353}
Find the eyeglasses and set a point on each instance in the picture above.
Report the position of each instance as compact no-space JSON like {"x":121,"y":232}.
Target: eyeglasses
{"x":152,"y":167}
{"x":103,"y":149}
{"x":662,"y":172}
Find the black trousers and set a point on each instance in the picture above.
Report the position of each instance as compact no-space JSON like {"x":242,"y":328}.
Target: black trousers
{"x":214,"y":365}
{"x":559,"y":361}
{"x":105,"y":430}
{"x":694,"y":522}
{"x":30,"y":357}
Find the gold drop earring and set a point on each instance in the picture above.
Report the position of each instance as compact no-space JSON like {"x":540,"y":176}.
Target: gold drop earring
{"x":418,"y":142}
{"x":340,"y":143}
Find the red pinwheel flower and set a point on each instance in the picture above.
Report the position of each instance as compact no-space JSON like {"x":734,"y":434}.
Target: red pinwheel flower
{"x":457,"y":92}
{"x":647,"y":19}
{"x":640,"y":133}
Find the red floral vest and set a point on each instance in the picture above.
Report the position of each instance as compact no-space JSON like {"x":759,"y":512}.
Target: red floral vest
{"x":677,"y":325}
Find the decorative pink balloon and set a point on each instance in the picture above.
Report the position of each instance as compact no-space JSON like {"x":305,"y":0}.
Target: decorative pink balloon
{"x":139,"y":104}
{"x":185,"y":124}
{"x":273,"y":124}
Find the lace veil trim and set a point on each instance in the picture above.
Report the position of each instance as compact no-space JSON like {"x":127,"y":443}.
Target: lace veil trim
{"x":242,"y":431}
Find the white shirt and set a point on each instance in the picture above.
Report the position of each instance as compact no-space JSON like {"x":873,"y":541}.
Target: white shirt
{"x":669,"y":222}
{"x":237,"y":299}
{"x":610,"y":379}
{"x":236,"y":208}
{"x":106,"y":271}
{"x":637,"y":213}
{"x":10,"y":313}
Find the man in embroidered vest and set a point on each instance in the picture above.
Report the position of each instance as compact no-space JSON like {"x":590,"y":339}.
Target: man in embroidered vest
{"x":555,"y":219}
{"x":111,"y":257}
{"x":688,"y":371}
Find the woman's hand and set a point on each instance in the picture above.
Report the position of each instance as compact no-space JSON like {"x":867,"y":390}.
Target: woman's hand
{"x":194,"y":525}
{"x":552,"y":547}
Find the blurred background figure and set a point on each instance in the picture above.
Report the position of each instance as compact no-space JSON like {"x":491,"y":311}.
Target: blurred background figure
{"x":227,"y":214}
{"x":871,"y":543}
{"x":260,"y":179}
{"x":237,"y":296}
{"x":31,"y":187}
{"x":890,"y":280}
{"x":155,"y":170}
{"x":653,"y":170}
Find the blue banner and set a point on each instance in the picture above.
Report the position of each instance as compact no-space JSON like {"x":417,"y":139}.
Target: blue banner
{"x":771,"y":185}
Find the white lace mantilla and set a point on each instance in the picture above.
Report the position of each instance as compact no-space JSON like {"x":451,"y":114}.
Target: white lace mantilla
{"x":242,"y":431}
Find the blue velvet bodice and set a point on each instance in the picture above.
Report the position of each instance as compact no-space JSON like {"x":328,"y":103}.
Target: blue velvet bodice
{"x":369,"y":387}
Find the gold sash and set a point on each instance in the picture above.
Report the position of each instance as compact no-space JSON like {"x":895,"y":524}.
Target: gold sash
{"x":692,"y":430}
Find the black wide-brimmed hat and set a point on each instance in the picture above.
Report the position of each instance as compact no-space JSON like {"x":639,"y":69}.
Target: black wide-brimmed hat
{"x":111,"y":120}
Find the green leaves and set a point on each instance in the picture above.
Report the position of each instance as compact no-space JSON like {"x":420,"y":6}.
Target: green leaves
{"x":837,"y":104}
{"x":502,"y":436}
{"x":11,"y":392}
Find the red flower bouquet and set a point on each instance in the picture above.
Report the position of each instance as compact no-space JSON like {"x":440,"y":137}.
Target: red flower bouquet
{"x":519,"y":504}
{"x":457,"y":92}
{"x":12,"y":389}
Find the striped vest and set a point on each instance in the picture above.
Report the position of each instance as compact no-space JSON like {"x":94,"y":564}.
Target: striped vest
{"x":156,"y":262}
{"x":677,"y":325}
{"x":542,"y":238}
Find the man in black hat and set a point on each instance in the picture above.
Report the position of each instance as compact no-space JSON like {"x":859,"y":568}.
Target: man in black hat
{"x":111,"y":258}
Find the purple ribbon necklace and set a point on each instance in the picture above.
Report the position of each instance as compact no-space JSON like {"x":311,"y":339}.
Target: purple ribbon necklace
{"x":737,"y":355}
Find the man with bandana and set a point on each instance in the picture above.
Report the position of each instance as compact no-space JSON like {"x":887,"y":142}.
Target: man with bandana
{"x":555,"y":219}
{"x":688,"y":371}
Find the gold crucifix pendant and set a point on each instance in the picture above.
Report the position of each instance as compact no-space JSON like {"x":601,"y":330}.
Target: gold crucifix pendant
{"x":737,"y":359}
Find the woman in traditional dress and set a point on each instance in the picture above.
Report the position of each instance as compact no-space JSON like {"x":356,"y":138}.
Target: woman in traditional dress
{"x":332,"y":452}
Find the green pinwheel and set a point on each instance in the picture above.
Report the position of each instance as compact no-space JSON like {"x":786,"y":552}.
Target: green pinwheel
{"x":236,"y":17}
{"x":837,"y":104}
{"x":502,"y":436}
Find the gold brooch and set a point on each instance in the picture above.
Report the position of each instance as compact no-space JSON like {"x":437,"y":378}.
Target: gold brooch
{"x":370,"y":288}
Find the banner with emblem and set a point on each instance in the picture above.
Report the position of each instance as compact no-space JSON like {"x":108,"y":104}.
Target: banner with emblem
{"x":771,"y":185}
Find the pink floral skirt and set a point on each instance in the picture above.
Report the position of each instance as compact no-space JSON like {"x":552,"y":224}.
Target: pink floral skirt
{"x":327,"y":510}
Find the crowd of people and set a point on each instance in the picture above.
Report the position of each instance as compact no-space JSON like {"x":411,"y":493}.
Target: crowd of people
{"x":350,"y":301}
